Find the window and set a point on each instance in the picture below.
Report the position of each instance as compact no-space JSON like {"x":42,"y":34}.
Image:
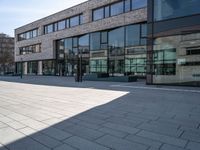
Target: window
{"x":81,"y":19}
{"x":167,"y":9}
{"x":116,"y":42}
{"x":136,"y":4}
{"x":127,"y":5}
{"x":48,"y":67}
{"x":30,"y":49}
{"x":107,"y":11}
{"x":67,"y":23}
{"x":28,"y":35}
{"x":104,"y":37}
{"x":84,"y":43}
{"x":117,"y":8}
{"x":135,"y":65}
{"x":35,"y":33}
{"x":133,"y":35}
{"x":193,"y":51}
{"x":74,"y":21}
{"x":95,"y":43}
{"x":48,"y":28}
{"x":98,"y":14}
{"x":165,"y":62}
{"x":61,"y":25}
{"x":98,"y":66}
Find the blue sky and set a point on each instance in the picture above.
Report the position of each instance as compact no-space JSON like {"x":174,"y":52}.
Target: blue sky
{"x":16,"y":13}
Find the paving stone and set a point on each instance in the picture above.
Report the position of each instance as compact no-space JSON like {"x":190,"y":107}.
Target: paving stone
{"x":84,"y":132}
{"x":119,"y":144}
{"x":125,"y":122}
{"x":56,"y":133}
{"x":161,"y":129}
{"x":84,"y":144}
{"x":17,"y":117}
{"x":144,"y":141}
{"x":3,"y":125}
{"x":113,"y":132}
{"x":46,"y":140}
{"x":193,"y":146}
{"x":27,"y":131}
{"x":192,"y":136}
{"x":163,"y":138}
{"x":64,"y":147}
{"x":9,"y":135}
{"x":171,"y":147}
{"x":26,"y":144}
{"x":5,"y":119}
{"x":16,"y":125}
{"x":180,"y":122}
{"x":122,"y":128}
{"x":34,"y":124}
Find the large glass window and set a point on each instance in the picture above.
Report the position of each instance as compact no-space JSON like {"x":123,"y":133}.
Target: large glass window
{"x":98,"y":66}
{"x":98,"y":14}
{"x":48,"y":67}
{"x":136,"y":4}
{"x":84,"y":44}
{"x":28,"y":35}
{"x":74,"y":21}
{"x":135,"y":65}
{"x":166,"y":9}
{"x":117,"y":8}
{"x":95,"y":41}
{"x":133,"y":35}
{"x":32,"y":67}
{"x":61,"y":25}
{"x":116,"y":41}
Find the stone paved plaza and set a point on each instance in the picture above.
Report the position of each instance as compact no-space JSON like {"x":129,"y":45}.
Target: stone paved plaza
{"x":52,"y":113}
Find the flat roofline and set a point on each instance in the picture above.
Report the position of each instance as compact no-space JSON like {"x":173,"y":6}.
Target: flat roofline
{"x":52,"y":14}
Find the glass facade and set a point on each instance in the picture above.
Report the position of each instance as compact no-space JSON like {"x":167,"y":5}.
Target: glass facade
{"x":118,"y":52}
{"x":176,"y":59}
{"x":167,"y":9}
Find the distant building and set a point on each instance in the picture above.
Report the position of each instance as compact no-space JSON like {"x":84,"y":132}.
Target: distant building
{"x":7,"y":64}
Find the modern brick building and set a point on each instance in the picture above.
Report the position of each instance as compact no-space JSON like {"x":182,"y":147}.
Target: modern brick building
{"x":109,"y":34}
{"x":109,"y":38}
{"x":6,"y":54}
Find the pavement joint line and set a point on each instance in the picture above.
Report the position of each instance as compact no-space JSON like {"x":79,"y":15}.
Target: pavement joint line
{"x":156,"y":88}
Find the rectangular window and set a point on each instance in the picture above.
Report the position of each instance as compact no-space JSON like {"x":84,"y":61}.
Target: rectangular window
{"x":81,"y":19}
{"x":48,"y":28}
{"x":67,"y":23}
{"x":133,"y":35}
{"x":127,"y":5}
{"x":117,"y":8}
{"x":74,"y":21}
{"x":107,"y":11}
{"x":167,"y":9}
{"x":35,"y":33}
{"x":98,"y":14}
{"x":95,"y":41}
{"x":136,"y":4}
{"x":61,"y":25}
{"x":55,"y":27}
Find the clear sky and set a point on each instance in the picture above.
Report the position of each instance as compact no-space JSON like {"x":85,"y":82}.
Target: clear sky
{"x":16,"y":13}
